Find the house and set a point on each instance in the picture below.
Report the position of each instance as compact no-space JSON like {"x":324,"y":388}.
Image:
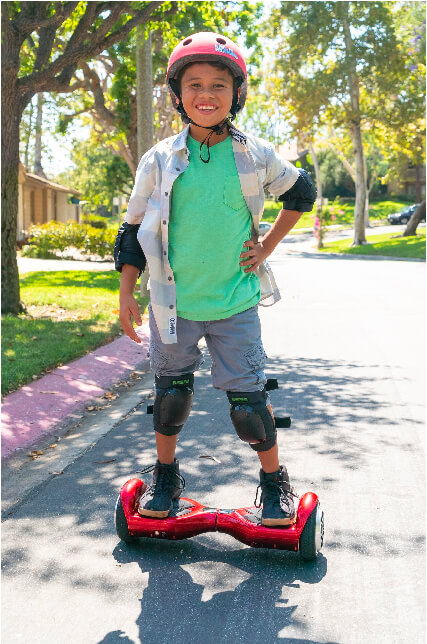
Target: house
{"x":41,"y":200}
{"x":411,"y":182}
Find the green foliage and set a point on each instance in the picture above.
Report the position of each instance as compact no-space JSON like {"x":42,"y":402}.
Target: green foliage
{"x":68,"y":314}
{"x":55,"y":237}
{"x":99,"y":174}
{"x":95,"y":221}
{"x":387,"y":245}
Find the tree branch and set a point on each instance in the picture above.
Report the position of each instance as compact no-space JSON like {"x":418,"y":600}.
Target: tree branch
{"x":76,"y":50}
{"x":94,"y":85}
{"x":33,"y":16}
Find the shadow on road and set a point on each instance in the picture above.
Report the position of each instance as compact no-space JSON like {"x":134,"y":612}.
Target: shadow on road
{"x":204,"y":589}
{"x":196,"y":593}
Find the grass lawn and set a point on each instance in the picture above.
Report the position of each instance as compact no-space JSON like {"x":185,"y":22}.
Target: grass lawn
{"x":390,"y":245}
{"x":378,"y":211}
{"x":69,"y":313}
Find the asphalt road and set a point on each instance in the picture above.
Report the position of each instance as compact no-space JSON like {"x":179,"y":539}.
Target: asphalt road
{"x":347,"y":345}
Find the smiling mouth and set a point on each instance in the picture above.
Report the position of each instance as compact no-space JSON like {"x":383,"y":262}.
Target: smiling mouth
{"x":206,"y":109}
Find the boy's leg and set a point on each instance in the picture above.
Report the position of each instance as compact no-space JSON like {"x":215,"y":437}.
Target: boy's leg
{"x":174,"y":366}
{"x":238,"y":362}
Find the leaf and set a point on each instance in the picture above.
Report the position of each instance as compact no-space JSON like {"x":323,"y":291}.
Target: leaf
{"x":111,"y":460}
{"x":211,"y":457}
{"x":109,"y":395}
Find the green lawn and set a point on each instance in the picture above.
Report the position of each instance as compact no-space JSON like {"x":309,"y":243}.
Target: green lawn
{"x":69,"y":313}
{"x":390,"y":245}
{"x":378,"y":211}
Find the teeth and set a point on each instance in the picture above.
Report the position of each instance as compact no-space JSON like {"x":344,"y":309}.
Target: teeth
{"x":205,"y":108}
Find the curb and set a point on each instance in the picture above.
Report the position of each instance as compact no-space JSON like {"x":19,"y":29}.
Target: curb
{"x":37,"y":409}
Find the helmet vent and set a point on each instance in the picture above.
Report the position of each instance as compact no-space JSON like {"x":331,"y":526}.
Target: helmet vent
{"x":221,"y":41}
{"x":187,"y":42}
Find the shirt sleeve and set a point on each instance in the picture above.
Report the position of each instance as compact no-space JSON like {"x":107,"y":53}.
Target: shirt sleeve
{"x":145,"y":182}
{"x":281,"y":174}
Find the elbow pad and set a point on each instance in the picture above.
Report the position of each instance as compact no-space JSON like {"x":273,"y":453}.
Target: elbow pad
{"x":302,"y":195}
{"x":127,"y":249}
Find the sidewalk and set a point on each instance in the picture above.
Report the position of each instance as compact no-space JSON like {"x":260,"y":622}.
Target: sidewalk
{"x":36,"y":409}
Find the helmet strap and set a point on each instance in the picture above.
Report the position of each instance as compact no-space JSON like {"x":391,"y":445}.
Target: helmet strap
{"x":215,"y":129}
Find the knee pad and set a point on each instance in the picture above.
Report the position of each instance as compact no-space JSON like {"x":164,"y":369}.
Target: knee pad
{"x":172,"y":406}
{"x":252,"y":420}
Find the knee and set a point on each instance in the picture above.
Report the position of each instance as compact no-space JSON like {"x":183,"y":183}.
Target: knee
{"x":172,"y":405}
{"x":252,"y":420}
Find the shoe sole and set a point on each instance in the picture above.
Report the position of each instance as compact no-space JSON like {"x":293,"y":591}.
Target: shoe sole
{"x":277,"y":522}
{"x":159,"y":514}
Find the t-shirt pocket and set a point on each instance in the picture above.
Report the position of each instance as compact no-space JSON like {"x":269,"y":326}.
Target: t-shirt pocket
{"x":233,"y":193}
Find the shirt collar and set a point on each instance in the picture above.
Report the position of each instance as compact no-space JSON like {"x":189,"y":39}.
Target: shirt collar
{"x":181,"y":139}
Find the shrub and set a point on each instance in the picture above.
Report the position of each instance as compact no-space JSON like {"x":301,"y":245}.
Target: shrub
{"x":48,"y":239}
{"x":95,"y":221}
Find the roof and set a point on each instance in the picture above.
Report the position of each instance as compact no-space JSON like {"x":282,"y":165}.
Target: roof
{"x":48,"y":184}
{"x":290,"y":152}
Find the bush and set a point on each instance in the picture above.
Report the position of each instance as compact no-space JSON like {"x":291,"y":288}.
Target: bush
{"x":48,"y":239}
{"x":95,"y":221}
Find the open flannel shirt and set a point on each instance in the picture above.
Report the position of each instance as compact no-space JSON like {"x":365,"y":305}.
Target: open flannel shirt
{"x":147,"y":216}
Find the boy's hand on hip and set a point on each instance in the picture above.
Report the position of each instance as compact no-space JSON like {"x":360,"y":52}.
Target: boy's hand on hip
{"x":254,"y":256}
{"x":128,"y":310}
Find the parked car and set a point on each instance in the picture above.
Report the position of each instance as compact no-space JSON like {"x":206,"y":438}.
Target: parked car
{"x":404,"y":215}
{"x":264,"y":227}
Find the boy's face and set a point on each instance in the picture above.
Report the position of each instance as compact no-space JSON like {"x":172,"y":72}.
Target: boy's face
{"x":206,"y":93}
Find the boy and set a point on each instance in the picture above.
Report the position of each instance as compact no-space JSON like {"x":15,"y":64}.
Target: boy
{"x":193,"y":216}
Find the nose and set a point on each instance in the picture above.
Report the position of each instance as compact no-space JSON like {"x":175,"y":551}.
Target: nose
{"x":206,"y":92}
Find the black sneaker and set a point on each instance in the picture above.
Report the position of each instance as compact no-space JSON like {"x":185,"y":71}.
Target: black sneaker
{"x":158,"y":499}
{"x":276,"y":498}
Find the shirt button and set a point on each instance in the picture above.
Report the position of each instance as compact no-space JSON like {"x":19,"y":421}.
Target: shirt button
{"x":177,"y":169}
{"x":166,"y":194}
{"x":164,"y":252}
{"x":170,"y":279}
{"x":164,"y":221}
{"x":171,"y":306}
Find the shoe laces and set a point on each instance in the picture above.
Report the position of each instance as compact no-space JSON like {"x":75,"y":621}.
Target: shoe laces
{"x":165,"y":473}
{"x":273,"y":485}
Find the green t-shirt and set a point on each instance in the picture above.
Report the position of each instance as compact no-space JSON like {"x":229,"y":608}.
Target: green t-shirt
{"x":209,"y":223}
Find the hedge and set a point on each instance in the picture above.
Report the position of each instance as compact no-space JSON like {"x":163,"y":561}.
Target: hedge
{"x":46,"y":240}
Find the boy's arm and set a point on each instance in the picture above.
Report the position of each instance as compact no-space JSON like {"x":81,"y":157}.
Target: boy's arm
{"x":258,"y":252}
{"x":128,"y":304}
{"x":296,"y":200}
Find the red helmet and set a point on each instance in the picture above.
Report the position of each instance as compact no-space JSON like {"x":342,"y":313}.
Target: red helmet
{"x":206,"y":46}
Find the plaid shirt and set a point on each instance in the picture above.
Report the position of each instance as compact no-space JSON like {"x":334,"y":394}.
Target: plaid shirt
{"x":258,"y":167}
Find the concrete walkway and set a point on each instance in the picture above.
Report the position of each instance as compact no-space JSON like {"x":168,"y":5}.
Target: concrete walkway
{"x":37,"y":409}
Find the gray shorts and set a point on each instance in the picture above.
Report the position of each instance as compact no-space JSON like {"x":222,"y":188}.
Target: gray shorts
{"x":234,"y":344}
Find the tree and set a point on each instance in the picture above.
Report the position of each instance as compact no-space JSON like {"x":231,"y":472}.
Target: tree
{"x":108,"y":93}
{"x":37,"y":58}
{"x":328,"y":53}
{"x":420,"y":213}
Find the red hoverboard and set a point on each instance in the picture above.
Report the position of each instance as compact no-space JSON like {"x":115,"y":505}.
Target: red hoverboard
{"x":189,"y":518}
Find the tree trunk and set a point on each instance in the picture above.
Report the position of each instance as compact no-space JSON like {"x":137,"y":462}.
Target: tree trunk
{"x":355,"y":129}
{"x":144,"y":94}
{"x":319,"y":200}
{"x":365,"y":170}
{"x":27,"y":143}
{"x":144,"y":107}
{"x":38,"y":168}
{"x":10,"y":117}
{"x":411,"y":228}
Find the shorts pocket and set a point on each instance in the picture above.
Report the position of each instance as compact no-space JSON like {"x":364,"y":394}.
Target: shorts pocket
{"x":158,"y":360}
{"x":257,"y":359}
{"x":233,"y":196}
